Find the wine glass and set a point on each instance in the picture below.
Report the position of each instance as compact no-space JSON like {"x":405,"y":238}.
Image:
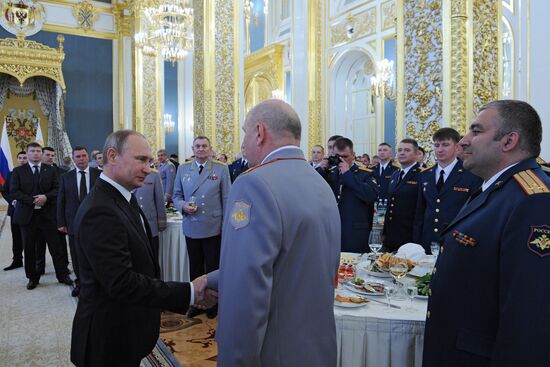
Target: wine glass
{"x":434,"y":246}
{"x":375,"y":242}
{"x":398,"y":271}
{"x":388,"y":291}
{"x":412,"y":292}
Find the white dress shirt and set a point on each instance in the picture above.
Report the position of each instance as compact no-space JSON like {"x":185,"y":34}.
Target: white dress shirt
{"x":490,"y":181}
{"x":447,"y":170}
{"x":87,"y":177}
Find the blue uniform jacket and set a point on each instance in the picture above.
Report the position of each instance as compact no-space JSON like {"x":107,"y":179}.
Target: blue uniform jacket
{"x":384,"y":179}
{"x":490,"y":291}
{"x":399,"y":219}
{"x":355,"y":191}
{"x":434,"y":211}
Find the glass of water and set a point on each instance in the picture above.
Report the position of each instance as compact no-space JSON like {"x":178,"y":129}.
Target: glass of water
{"x":412,"y":292}
{"x":375,"y":241}
{"x":434,"y":246}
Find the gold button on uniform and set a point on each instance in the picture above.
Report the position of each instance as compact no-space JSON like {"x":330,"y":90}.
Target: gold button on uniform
{"x":438,"y":201}
{"x":437,"y":210}
{"x":392,"y":204}
{"x":428,"y":314}
{"x":392,"y":199}
{"x":433,"y":271}
{"x":435,"y":229}
{"x":436,"y":220}
{"x":441,"y":250}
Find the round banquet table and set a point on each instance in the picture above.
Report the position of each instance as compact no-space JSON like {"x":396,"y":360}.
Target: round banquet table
{"x":174,"y":262}
{"x":374,"y":335}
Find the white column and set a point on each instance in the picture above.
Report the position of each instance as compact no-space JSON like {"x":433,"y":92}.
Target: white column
{"x":185,"y":107}
{"x":128,"y":83}
{"x":299,"y":66}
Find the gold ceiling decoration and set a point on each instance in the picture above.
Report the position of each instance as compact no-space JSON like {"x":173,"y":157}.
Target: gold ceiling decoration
{"x":24,"y":59}
{"x":85,"y":14}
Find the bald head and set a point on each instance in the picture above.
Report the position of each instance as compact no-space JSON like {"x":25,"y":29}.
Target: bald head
{"x":278,"y":117}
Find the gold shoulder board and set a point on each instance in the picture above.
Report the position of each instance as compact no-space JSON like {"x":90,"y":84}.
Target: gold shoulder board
{"x":531,"y":183}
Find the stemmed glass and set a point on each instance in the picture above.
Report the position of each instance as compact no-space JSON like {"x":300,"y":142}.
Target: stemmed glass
{"x":412,"y":292}
{"x":434,"y":246}
{"x":375,"y":241}
{"x":388,"y":291}
{"x":398,"y":271}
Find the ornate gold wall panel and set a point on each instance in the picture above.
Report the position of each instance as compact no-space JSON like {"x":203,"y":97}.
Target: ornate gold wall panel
{"x":150,"y":123}
{"x":459,"y":65}
{"x":216,"y":78}
{"x":263,"y":74}
{"x":315,"y":69}
{"x":423,"y":59}
{"x":355,"y":26}
{"x":486,"y":51}
{"x":387,"y":14}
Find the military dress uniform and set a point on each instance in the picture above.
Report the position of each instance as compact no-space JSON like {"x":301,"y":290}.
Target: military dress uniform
{"x":546,"y":168}
{"x":490,"y":290}
{"x":167,"y":173}
{"x":355,"y":191}
{"x":210,"y":189}
{"x":383,"y":178}
{"x":237,"y":167}
{"x":399,"y":219}
{"x":435,"y":210}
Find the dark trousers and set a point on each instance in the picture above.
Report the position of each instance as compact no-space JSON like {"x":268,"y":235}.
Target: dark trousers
{"x":41,"y":224}
{"x":74,"y":258}
{"x":204,"y":255}
{"x":156,"y":245}
{"x":17,"y":242}
{"x":41,"y":252}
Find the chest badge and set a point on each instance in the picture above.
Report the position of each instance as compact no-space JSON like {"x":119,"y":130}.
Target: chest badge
{"x":539,"y":240}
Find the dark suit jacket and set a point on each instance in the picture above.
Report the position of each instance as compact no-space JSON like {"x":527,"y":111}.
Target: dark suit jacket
{"x":67,"y":199}
{"x":236,"y":168}
{"x":21,"y":188}
{"x":434,"y":211}
{"x":355,"y":191}
{"x":384,"y":179}
{"x":399,"y":219}
{"x":5,"y":189}
{"x":117,"y":320}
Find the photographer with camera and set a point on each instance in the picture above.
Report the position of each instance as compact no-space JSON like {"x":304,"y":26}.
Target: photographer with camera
{"x":355,"y":190}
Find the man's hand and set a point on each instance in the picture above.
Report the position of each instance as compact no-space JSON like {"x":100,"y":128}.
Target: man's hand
{"x":204,"y":298}
{"x":199,"y":285}
{"x":189,"y":209}
{"x":14,"y":203}
{"x":324,"y":163}
{"x":62,"y":229}
{"x":40,"y":200}
{"x":343,"y":166}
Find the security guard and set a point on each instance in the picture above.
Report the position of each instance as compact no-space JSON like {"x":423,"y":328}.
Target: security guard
{"x":167,"y":173}
{"x":402,"y":197}
{"x":356,"y":191}
{"x":384,"y":170}
{"x":443,"y":189}
{"x":489,"y":301}
{"x":200,"y":193}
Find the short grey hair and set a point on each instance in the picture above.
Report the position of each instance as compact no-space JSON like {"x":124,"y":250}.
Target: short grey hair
{"x":163,"y":151}
{"x":117,"y":141}
{"x":279,"y":117}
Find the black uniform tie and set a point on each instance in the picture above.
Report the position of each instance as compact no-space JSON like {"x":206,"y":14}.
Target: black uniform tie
{"x":83,"y":191}
{"x":401,"y":174}
{"x":200,"y":168}
{"x":440,"y":181}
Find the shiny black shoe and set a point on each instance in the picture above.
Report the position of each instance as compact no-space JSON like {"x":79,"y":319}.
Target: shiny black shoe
{"x":32,"y":284}
{"x":212,"y":313}
{"x":67,"y":281}
{"x":76,"y":291}
{"x":14,"y":265}
{"x":193,"y":312}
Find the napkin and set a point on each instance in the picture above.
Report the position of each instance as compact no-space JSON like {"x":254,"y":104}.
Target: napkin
{"x":412,"y":251}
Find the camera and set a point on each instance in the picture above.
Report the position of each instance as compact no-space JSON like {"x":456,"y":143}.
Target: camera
{"x":334,"y":160}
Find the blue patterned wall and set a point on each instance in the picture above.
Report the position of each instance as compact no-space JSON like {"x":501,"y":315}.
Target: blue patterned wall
{"x":88,"y":73}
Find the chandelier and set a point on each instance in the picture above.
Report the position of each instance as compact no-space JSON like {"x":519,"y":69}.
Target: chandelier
{"x":168,"y":29}
{"x":168,"y":123}
{"x":382,"y":84}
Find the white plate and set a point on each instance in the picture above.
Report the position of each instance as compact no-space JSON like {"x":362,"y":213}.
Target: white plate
{"x":421,"y":297}
{"x":420,"y":271}
{"x":350,"y":287}
{"x":378,"y":274}
{"x":348,"y":304}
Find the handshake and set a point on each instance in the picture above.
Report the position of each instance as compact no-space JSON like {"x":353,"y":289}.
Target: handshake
{"x":205,"y":297}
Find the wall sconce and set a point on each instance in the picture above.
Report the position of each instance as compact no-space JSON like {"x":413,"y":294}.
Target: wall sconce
{"x":168,"y":123}
{"x":382,"y":83}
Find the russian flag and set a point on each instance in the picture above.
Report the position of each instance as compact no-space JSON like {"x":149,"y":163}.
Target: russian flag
{"x":6,"y":160}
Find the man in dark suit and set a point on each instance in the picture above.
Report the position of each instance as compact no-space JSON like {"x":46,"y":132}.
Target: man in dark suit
{"x":402,"y":196}
{"x":237,"y":167}
{"x":35,"y":187}
{"x":489,"y":294}
{"x":384,"y":170}
{"x":74,"y":187}
{"x":117,"y":320}
{"x":356,"y":191}
{"x":48,"y":157}
{"x":443,"y":189}
{"x":17,"y":242}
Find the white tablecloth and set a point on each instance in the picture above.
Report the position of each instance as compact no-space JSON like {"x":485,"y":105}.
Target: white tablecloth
{"x":376,"y":336}
{"x":174,"y":262}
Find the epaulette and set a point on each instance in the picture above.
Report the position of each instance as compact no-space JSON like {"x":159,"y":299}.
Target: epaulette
{"x":531,"y":183}
{"x":540,"y":160}
{"x":426,"y":168}
{"x":186,"y":162}
{"x":219,"y":162}
{"x":396,"y":165}
{"x":364,"y":169}
{"x":154,"y":170}
{"x":545,"y":167}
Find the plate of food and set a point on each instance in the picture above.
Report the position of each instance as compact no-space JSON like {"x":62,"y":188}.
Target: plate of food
{"x":366,"y":288}
{"x":349,"y":301}
{"x":423,"y":285}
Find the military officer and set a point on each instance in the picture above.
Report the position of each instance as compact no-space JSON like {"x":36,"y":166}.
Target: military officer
{"x":384,"y":170}
{"x":324,"y":168}
{"x":356,"y":191}
{"x":238,"y":166}
{"x":489,"y":301}
{"x":443,"y":189}
{"x":200,"y":193}
{"x":544,"y":165}
{"x":167,"y":173}
{"x":402,"y":197}
{"x":150,"y":198}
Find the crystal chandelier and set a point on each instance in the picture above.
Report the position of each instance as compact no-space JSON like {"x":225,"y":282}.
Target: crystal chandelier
{"x":382,"y":83}
{"x":168,"y":29}
{"x":168,"y":123}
